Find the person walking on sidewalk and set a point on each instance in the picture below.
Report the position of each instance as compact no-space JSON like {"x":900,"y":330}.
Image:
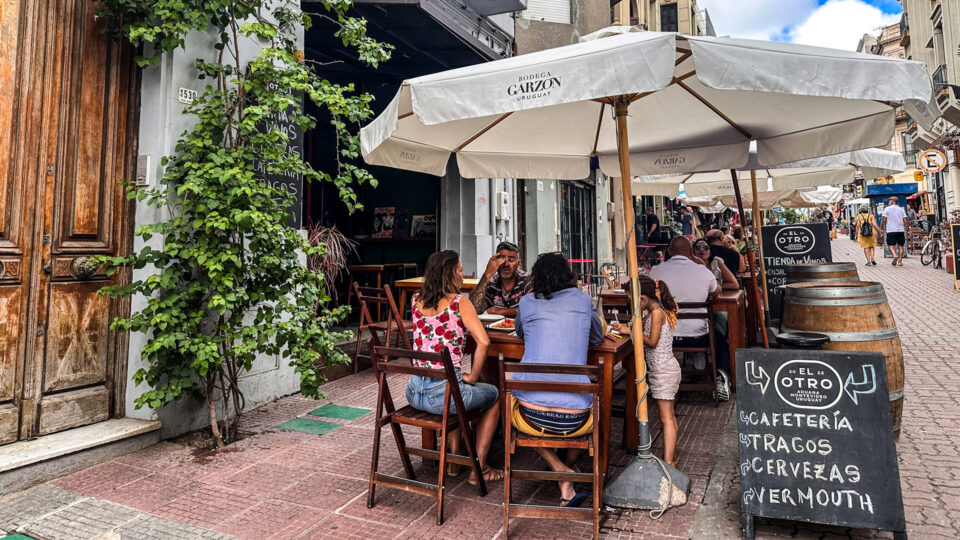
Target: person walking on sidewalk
{"x":867,"y":234}
{"x":894,"y":223}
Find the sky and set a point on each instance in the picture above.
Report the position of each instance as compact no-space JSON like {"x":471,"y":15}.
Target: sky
{"x":827,"y":23}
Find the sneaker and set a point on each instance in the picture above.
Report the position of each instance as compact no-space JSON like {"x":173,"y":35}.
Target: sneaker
{"x":723,"y":386}
{"x":873,"y":262}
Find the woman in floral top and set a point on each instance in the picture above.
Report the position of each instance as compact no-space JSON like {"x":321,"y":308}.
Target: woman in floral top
{"x":441,"y":318}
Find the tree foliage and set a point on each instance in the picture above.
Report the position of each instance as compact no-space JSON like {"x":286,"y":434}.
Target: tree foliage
{"x":228,"y":284}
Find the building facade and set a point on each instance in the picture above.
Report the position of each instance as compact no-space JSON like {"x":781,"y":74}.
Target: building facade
{"x":930,"y":33}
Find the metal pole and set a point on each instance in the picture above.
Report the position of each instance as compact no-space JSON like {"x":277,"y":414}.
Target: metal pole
{"x":757,"y":226}
{"x":757,"y":298}
{"x":621,"y":105}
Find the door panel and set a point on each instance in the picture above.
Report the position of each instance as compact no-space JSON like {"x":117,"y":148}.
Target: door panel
{"x":65,"y":144}
{"x":79,"y":330}
{"x":15,"y":253}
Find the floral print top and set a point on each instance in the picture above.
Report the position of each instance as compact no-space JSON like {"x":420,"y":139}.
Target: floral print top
{"x":433,"y":333}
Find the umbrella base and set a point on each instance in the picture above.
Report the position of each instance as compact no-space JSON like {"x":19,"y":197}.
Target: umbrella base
{"x":642,"y":485}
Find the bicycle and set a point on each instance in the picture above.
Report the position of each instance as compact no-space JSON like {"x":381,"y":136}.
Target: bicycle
{"x":932,"y":251}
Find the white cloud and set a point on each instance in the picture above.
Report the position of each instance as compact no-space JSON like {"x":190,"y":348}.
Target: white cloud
{"x":837,"y":23}
{"x":840,"y":24}
{"x":756,"y":19}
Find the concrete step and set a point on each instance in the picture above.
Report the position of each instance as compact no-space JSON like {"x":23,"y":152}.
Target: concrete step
{"x":27,"y":463}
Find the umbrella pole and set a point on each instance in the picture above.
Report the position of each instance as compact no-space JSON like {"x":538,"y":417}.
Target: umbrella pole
{"x":647,"y":483}
{"x":755,"y":291}
{"x":623,"y":149}
{"x":757,"y":225}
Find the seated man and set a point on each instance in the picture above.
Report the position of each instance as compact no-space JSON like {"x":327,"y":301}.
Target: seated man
{"x":731,"y":257}
{"x":502,"y":284}
{"x":690,"y":281}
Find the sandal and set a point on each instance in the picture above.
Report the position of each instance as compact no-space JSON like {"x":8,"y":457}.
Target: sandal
{"x":453,"y":469}
{"x":489,"y":475}
{"x":576,"y":501}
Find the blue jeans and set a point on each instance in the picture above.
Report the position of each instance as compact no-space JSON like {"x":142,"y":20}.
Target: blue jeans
{"x":426,"y":394}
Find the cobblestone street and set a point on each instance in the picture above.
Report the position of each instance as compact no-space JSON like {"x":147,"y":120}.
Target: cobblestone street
{"x":927,"y":311}
{"x":284,"y":484}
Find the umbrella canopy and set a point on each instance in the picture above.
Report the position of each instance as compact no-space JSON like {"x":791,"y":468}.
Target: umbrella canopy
{"x":815,"y":172}
{"x":695,"y":103}
{"x":787,"y":198}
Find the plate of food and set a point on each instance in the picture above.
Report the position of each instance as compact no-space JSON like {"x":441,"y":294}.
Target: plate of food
{"x":504,"y":325}
{"x":487,"y":318}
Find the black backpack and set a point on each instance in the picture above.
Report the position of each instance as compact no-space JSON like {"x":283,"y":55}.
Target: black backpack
{"x":865,"y":228}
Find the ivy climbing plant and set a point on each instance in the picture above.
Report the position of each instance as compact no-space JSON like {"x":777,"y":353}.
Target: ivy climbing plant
{"x":227,"y":283}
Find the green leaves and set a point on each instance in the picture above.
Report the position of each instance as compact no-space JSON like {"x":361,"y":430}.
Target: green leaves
{"x":226,"y":283}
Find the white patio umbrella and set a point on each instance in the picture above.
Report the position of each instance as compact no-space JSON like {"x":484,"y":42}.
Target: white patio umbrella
{"x":822,"y":171}
{"x":814,"y":172}
{"x":645,"y":103}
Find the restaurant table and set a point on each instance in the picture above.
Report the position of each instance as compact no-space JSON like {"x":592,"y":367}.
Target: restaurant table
{"x":414,"y":284}
{"x":608,"y":354}
{"x":734,"y":303}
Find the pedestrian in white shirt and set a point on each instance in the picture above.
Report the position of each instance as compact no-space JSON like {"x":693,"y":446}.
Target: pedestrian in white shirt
{"x":895,"y":225}
{"x":691,"y":281}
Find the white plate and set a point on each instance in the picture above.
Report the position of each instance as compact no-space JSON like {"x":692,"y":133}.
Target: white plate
{"x":489,"y":317}
{"x":492,"y":327}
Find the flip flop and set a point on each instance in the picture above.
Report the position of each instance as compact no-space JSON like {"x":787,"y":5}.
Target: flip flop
{"x":576,"y":501}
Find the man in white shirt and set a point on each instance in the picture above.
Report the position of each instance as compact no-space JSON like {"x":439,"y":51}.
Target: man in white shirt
{"x":895,"y":224}
{"x":690,"y":281}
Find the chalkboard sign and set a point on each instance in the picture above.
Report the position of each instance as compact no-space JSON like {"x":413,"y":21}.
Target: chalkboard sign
{"x":292,"y":182}
{"x":815,"y":438}
{"x":784,"y":245}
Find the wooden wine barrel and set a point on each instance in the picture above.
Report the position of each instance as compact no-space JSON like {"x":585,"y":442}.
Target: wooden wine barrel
{"x":857,"y":317}
{"x":837,"y":271}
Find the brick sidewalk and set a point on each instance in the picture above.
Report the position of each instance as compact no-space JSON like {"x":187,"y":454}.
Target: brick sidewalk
{"x":284,"y":484}
{"x":927,"y":311}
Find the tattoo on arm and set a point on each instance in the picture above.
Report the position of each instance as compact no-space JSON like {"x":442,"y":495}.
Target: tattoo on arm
{"x":478,"y":295}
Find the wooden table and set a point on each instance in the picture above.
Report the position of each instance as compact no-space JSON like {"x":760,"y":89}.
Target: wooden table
{"x":414,"y":284}
{"x":608,"y":354}
{"x":733,"y":303}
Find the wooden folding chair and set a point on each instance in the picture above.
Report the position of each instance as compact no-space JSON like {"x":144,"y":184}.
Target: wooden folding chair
{"x":387,"y":413}
{"x":514,"y":438}
{"x":394,"y":322}
{"x":710,"y":350}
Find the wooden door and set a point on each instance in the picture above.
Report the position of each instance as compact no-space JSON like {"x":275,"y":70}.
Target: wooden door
{"x":66,"y":142}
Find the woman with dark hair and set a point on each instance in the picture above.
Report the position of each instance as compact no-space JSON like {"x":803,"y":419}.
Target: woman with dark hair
{"x":725,"y":278}
{"x":441,"y":318}
{"x":557,"y":323}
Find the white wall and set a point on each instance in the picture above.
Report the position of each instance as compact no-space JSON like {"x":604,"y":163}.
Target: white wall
{"x":161,"y":124}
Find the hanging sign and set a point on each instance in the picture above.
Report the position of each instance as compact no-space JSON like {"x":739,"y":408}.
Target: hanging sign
{"x":816,"y":439}
{"x":932,"y":161}
{"x":918,"y":176}
{"x":785,"y":245}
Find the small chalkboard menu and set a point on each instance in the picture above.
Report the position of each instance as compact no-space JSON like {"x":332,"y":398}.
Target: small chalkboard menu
{"x":816,"y":439}
{"x":293,"y":182}
{"x":784,"y":245}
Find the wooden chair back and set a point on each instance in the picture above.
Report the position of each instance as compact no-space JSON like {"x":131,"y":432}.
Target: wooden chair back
{"x":687,"y":312}
{"x":372,"y":296}
{"x":388,"y":414}
{"x":513,"y":438}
